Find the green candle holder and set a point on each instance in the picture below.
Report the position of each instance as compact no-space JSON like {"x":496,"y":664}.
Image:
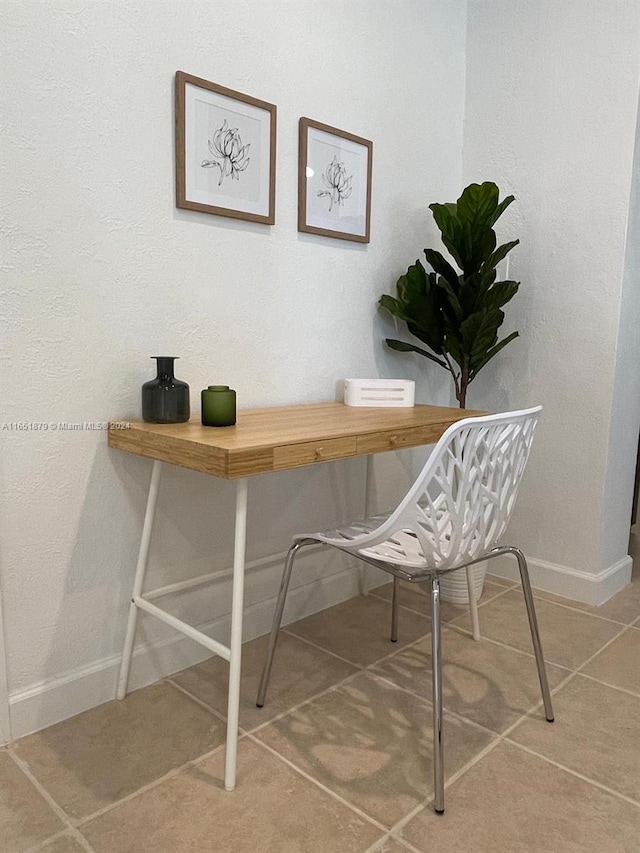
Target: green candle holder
{"x":218,"y":406}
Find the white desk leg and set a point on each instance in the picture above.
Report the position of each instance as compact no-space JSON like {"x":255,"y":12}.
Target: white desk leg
{"x":233,"y":706}
{"x":368,"y":511}
{"x":141,"y":568}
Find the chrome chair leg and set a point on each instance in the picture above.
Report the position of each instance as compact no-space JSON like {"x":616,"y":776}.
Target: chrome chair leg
{"x":436,"y":675}
{"x":277,"y":618}
{"x":473,"y":605}
{"x":535,"y":634}
{"x":395,"y":602}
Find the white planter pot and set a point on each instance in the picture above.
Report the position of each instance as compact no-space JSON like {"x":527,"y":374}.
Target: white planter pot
{"x":453,"y":585}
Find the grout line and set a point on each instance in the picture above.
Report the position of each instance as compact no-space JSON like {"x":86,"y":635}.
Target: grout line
{"x":536,"y":594}
{"x":176,"y":771}
{"x":575,"y":773}
{"x":291,"y":633}
{"x":75,"y":834}
{"x":380,"y":846}
{"x":485,"y":600}
{"x":601,"y":649}
{"x":201,"y":702}
{"x":577,"y":609}
{"x":498,"y":580}
{"x":399,"y":647}
{"x":400,"y":824}
{"x":333,"y":687}
{"x":547,"y":659}
{"x":464,"y":631}
{"x":625,"y":690}
{"x":64,"y":817}
{"x":318,"y":784}
{"x":455,"y":714}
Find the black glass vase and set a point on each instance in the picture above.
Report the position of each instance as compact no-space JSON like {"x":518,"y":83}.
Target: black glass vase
{"x":165,"y":399}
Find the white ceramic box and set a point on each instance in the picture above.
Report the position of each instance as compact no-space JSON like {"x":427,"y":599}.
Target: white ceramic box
{"x":379,"y":392}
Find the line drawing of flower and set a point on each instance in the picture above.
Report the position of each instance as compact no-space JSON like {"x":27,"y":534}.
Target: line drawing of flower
{"x":338,"y":184}
{"x":232,"y":156}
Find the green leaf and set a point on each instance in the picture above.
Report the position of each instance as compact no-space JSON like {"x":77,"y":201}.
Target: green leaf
{"x":442,"y":266}
{"x":490,"y":354}
{"x":394,"y":306}
{"x":500,"y":209}
{"x":449,"y":302}
{"x":402,"y":346}
{"x":500,"y":253}
{"x":446,"y":219}
{"x":479,"y":335}
{"x":417,"y":304}
{"x":500,"y":293}
{"x":478,"y":203}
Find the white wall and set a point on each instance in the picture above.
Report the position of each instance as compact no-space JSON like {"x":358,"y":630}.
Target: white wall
{"x":102,"y":271}
{"x":551,"y":101}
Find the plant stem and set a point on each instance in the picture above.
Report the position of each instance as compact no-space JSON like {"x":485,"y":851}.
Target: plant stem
{"x":454,"y":376}
{"x":464,"y":384}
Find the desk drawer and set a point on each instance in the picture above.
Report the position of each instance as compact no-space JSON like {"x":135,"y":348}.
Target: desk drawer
{"x":294,"y":455}
{"x":377,"y":442}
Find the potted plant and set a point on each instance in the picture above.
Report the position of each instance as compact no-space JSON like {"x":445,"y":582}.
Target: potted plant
{"x":456,"y":313}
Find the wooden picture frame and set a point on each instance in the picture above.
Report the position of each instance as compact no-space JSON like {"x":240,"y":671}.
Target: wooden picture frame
{"x":225,"y":151}
{"x":334,"y":182}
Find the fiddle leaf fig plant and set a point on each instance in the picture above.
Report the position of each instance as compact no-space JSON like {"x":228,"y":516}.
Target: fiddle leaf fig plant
{"x":456,"y":313}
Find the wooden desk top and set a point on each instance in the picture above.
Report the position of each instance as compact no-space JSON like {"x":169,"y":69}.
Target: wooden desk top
{"x":286,"y":437}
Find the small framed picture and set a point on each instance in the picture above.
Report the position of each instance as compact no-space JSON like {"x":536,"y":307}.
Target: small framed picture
{"x":225,"y":151}
{"x":334,"y":182}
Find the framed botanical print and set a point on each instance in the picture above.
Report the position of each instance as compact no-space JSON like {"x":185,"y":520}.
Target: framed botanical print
{"x":225,"y":151}
{"x":334,"y":182}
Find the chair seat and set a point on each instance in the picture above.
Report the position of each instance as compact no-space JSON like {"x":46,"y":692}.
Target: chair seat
{"x":402,"y":549}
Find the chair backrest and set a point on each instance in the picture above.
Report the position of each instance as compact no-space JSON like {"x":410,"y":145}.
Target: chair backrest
{"x":462,"y":500}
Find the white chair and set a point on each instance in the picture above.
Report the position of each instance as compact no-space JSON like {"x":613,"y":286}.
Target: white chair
{"x":453,"y":516}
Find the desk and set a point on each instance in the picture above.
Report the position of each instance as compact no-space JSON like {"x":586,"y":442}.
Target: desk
{"x":263,"y":440}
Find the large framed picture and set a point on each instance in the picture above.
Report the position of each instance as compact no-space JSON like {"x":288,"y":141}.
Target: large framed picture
{"x":225,"y":151}
{"x":334,"y":182}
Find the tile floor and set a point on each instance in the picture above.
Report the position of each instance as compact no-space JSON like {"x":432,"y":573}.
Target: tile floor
{"x":340,"y":758}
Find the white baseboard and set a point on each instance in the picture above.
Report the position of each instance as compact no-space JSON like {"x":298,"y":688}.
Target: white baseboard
{"x":52,"y":701}
{"x":569,"y":583}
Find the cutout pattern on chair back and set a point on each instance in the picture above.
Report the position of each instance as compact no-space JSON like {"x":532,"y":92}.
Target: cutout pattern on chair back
{"x":462,"y":501}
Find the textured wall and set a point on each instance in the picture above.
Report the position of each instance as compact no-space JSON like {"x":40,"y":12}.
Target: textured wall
{"x":551,"y":100}
{"x":102,"y":271}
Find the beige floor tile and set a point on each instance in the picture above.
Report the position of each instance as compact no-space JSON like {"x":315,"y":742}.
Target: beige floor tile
{"x":358,"y":629}
{"x":25,"y":816}
{"x":513,"y":802}
{"x":567,"y":602}
{"x":619,"y":663}
{"x":624,"y":607}
{"x":64,"y":844}
{"x":390,"y":845}
{"x":569,"y":638}
{"x":486,"y":683}
{"x":100,"y":756}
{"x":496,"y":579}
{"x":299,"y":672}
{"x":596,"y":733}
{"x":416,"y":597}
{"x":372,"y":744}
{"x":272,"y":810}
